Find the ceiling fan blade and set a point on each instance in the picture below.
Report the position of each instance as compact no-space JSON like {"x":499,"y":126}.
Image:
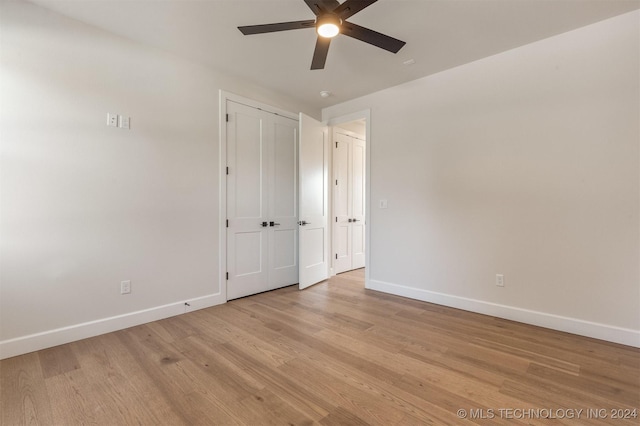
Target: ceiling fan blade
{"x":316,"y":6}
{"x":351,"y":7}
{"x":372,"y":37}
{"x":281,"y":26}
{"x":320,"y":54}
{"x":319,"y":7}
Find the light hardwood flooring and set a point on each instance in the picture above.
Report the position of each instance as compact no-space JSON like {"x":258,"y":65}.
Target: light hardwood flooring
{"x":334,"y":354}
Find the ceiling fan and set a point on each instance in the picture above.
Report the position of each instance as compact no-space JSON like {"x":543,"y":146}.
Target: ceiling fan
{"x":330,"y":21}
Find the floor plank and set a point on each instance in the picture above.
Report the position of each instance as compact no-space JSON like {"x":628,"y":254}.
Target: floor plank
{"x":334,"y":354}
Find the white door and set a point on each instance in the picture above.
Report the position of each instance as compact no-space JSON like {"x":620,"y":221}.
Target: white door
{"x":358,"y":162}
{"x":313,"y":230}
{"x":342,"y":243}
{"x":283,"y":203}
{"x":348,"y":202}
{"x":261,"y":201}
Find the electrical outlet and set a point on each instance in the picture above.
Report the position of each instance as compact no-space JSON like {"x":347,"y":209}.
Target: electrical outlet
{"x":500,"y":280}
{"x":112,"y":119}
{"x":125,"y":287}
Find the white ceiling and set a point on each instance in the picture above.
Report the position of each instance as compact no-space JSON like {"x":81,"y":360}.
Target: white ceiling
{"x":440,"y":34}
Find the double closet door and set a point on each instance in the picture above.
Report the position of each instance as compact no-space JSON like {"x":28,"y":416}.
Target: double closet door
{"x":348,"y":202}
{"x":262,"y":200}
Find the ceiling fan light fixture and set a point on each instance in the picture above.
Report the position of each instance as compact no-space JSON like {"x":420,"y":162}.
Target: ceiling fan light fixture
{"x":328,"y":26}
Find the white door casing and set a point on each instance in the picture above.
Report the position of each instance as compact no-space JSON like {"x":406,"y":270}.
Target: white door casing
{"x":314,"y":211}
{"x":261,"y":200}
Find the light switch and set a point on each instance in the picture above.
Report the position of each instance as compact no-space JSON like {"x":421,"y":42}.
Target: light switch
{"x":124,"y":122}
{"x":383,"y":204}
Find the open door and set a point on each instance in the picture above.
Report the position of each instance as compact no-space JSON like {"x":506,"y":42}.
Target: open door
{"x":314,"y":196}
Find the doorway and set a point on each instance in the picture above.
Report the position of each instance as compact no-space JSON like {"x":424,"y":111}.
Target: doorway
{"x":262,"y":200}
{"x":349,"y":201}
{"x":274,"y":198}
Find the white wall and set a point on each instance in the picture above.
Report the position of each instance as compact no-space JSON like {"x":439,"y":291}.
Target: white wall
{"x":84,"y":205}
{"x":525,"y":163}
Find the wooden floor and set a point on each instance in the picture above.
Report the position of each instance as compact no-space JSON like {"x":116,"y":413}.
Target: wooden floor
{"x":334,"y":354}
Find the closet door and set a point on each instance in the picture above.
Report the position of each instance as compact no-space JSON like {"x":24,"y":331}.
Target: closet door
{"x":247,"y":233}
{"x":348,"y":202}
{"x":357,"y":163}
{"x":283,"y":202}
{"x":262,"y":231}
{"x":342,"y":244}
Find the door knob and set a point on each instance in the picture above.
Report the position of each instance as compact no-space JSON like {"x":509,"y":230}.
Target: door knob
{"x":264,"y":224}
{"x":273,"y":224}
{"x":303,"y":223}
{"x":355,"y":220}
{"x":350,"y":220}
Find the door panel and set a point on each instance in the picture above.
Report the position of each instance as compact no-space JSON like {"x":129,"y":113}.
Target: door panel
{"x":313,"y":178}
{"x":357,"y":237}
{"x":314,"y":249}
{"x":342,"y":241}
{"x":247,"y":164}
{"x":285,"y":190}
{"x":285,"y":251}
{"x":341,"y":171}
{"x":357,"y":185}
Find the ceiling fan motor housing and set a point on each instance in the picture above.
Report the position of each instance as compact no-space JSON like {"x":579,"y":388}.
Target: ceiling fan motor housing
{"x":328,"y":24}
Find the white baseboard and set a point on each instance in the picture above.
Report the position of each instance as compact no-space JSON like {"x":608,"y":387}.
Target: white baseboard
{"x":609,"y":333}
{"x":34,"y":342}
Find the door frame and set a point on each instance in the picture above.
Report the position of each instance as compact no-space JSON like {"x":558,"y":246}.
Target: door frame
{"x":337,"y":121}
{"x":223,"y":97}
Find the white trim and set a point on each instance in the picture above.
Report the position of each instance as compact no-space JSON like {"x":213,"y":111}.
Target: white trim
{"x":609,"y":333}
{"x":228,"y":96}
{"x":59,"y":336}
{"x":222,"y":191}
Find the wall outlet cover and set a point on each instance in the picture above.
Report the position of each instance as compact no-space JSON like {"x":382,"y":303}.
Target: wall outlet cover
{"x":112,"y":119}
{"x":125,"y":287}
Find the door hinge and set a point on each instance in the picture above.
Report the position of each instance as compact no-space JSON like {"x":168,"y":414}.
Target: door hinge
{"x":227,"y":275}
{"x":336,"y":181}
{"x":227,"y":223}
{"x":227,"y":118}
{"x":227,"y":170}
{"x":336,"y":255}
{"x":336,"y":219}
{"x":336,"y":144}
